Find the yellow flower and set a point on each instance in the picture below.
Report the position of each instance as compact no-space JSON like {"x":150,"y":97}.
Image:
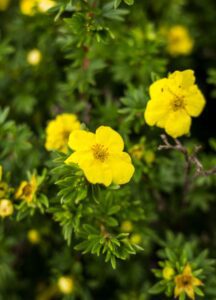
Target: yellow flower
{"x":6,"y":208}
{"x":30,"y":7}
{"x":126,"y":226}
{"x":136,"y":238}
{"x":44,"y":5}
{"x":58,"y":131}
{"x":168,"y":272}
{"x":149,"y":156}
{"x":4,"y":4}
{"x":179,"y":41}
{"x":186,"y":282}
{"x":34,"y":57}
{"x":33,"y":236}
{"x":137,"y":151}
{"x":101,"y":156}
{"x":66,"y":284}
{"x":27,"y":189}
{"x":174,"y":100}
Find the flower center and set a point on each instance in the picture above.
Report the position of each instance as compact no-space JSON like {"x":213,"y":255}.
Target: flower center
{"x":65,"y":135}
{"x":186,"y":280}
{"x":100,"y":152}
{"x":27,"y":190}
{"x":178,"y":103}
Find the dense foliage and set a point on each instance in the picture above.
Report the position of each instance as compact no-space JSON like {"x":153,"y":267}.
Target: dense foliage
{"x":95,"y":201}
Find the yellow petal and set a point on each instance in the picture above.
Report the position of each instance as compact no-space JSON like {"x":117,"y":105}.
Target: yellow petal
{"x":182,"y":79}
{"x":158,"y":89}
{"x":190,"y":292}
{"x":178,"y":123}
{"x":81,"y":158}
{"x":178,"y":291}
{"x":194,"y":102}
{"x":187,"y":270}
{"x":81,"y":140}
{"x":97,"y":172}
{"x":121,"y":167}
{"x":196,"y":282}
{"x":110,"y":138}
{"x":156,"y":113}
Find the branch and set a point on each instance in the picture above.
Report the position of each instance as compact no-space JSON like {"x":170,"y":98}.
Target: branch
{"x":191,"y":161}
{"x":191,"y":158}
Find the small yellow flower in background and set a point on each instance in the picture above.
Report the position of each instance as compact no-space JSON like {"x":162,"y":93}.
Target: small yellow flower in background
{"x":101,"y":156}
{"x":6,"y":208}
{"x":168,"y":272}
{"x":137,"y":151}
{"x":186,"y":283}
{"x":149,"y":156}
{"x":126,"y":226}
{"x":58,"y":131}
{"x":179,"y":41}
{"x":34,"y":57}
{"x":66,"y":284}
{"x":174,"y":100}
{"x":27,"y":189}
{"x":30,"y":7}
{"x":33,"y":236}
{"x":45,"y":5}
{"x":136,"y":238}
{"x":4,"y":4}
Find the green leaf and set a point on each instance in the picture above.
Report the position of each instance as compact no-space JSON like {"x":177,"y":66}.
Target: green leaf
{"x":129,"y":2}
{"x":157,"y":288}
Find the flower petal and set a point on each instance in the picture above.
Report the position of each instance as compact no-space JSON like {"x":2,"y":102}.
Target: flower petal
{"x":158,"y":88}
{"x":183,"y":79}
{"x":178,"y":291}
{"x":97,"y":172}
{"x":187,"y":270}
{"x":156,"y":113}
{"x":178,"y":123}
{"x":194,"y":102}
{"x":110,"y":138}
{"x":190,"y":292}
{"x":81,"y":140}
{"x":122,"y":168}
{"x":81,"y":158}
{"x":196,"y":281}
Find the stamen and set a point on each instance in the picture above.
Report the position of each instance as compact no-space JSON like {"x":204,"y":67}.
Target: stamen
{"x":27,"y":190}
{"x":100,"y":152}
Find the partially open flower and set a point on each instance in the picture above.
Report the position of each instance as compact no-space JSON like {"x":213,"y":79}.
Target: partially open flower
{"x":27,"y":189}
{"x":66,"y":284}
{"x":34,"y":57}
{"x":6,"y":208}
{"x":168,"y":272}
{"x":33,"y":236}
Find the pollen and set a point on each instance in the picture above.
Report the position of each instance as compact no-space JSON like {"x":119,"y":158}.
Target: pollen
{"x":100,"y":152}
{"x":178,"y":103}
{"x":27,"y":190}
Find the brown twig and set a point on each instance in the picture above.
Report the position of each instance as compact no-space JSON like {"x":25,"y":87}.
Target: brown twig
{"x":191,"y":161}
